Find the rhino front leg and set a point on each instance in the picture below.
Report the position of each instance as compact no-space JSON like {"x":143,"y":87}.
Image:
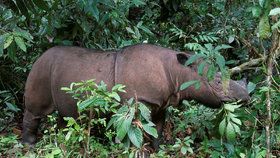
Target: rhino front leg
{"x":159,"y":120}
{"x":30,"y":128}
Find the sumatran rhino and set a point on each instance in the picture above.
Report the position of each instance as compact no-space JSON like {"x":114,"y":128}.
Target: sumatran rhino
{"x":153,"y":73}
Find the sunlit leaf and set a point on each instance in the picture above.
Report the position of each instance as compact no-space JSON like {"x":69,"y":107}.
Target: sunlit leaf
{"x":150,"y":130}
{"x":251,"y":87}
{"x":230,"y":132}
{"x":20,"y":43}
{"x":8,"y":41}
{"x":274,"y":11}
{"x":184,"y":150}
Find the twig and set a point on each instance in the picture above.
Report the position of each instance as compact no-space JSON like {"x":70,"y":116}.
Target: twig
{"x":246,"y":65}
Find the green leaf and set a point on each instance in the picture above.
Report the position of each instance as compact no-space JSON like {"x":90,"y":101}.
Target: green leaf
{"x":262,"y":2}
{"x":201,"y":68}
{"x":276,"y":25}
{"x":184,"y":150}
{"x":222,"y":127}
{"x":211,"y":72}
{"x":220,"y":60}
{"x":274,"y":11}
{"x":65,"y":89}
{"x":119,"y":87}
{"x":124,"y":127}
{"x":236,"y":128}
{"x":8,"y":41}
{"x":130,"y":30}
{"x":256,"y":11}
{"x":136,"y":136}
{"x":68,"y":135}
{"x":188,"y":84}
{"x":225,"y":80}
{"x":20,"y":43}
{"x":193,"y":46}
{"x":230,"y":132}
{"x":145,"y":112}
{"x":150,"y":130}
{"x":223,"y":46}
{"x":85,"y":104}
{"x":197,"y":85}
{"x":56,"y":151}
{"x":229,"y":107}
{"x":12,"y":107}
{"x":111,"y":122}
{"x":264,"y":27}
{"x":251,"y":87}
{"x":192,"y":59}
{"x":236,"y":120}
{"x":94,"y":10}
{"x":115,"y":96}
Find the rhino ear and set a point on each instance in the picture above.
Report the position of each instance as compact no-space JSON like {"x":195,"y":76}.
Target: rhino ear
{"x":182,"y":58}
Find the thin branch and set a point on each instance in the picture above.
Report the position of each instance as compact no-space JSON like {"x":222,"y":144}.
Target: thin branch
{"x":246,"y":65}
{"x":273,"y":52}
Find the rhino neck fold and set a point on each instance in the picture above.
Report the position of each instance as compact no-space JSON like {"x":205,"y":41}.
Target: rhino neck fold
{"x":205,"y":94}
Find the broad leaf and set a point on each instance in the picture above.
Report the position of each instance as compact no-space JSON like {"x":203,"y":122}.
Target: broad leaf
{"x":136,"y":136}
{"x":230,"y":132}
{"x":236,"y":120}
{"x":274,"y":11}
{"x":184,"y":150}
{"x":145,"y":112}
{"x":150,"y":130}
{"x":188,"y":84}
{"x":251,"y":87}
{"x":8,"y":41}
{"x":220,"y":60}
{"x":200,"y":68}
{"x":222,"y":127}
{"x":229,"y":107}
{"x":124,"y":127}
{"x":20,"y":43}
{"x":12,"y":107}
{"x":192,"y":59}
{"x":223,"y":46}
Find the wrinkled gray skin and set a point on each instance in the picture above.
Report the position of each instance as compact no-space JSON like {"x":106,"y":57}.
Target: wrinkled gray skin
{"x":151,"y":72}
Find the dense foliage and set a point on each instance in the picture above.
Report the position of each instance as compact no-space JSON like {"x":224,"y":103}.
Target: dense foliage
{"x":239,"y":38}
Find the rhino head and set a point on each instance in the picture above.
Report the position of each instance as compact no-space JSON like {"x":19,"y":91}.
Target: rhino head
{"x":211,"y":93}
{"x":236,"y":90}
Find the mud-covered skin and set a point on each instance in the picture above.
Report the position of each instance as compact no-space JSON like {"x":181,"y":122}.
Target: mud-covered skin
{"x":151,"y":72}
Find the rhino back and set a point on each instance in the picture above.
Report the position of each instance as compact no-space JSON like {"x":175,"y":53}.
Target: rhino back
{"x":144,"y":69}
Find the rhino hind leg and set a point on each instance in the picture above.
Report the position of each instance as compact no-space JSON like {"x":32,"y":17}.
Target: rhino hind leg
{"x":159,"y":121}
{"x":30,"y":128}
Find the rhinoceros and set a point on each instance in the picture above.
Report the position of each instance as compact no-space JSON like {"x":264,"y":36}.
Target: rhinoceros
{"x":152,"y":72}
